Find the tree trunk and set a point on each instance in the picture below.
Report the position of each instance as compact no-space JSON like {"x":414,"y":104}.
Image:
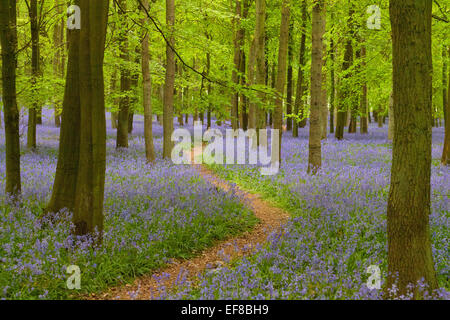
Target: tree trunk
{"x":344,"y":92}
{"x":238,"y":42}
{"x":134,"y":81}
{"x":289,"y":78}
{"x":391,"y":125}
{"x":333,"y":84}
{"x":147,"y":90}
{"x":257,"y":66}
{"x":64,"y":186}
{"x":88,"y":212}
{"x":446,"y":152}
{"x":299,"y":103}
{"x":261,"y":62}
{"x":281,"y":74}
{"x":169,"y":85}
{"x":243,"y":112}
{"x":32,"y":111}
{"x":125,"y":80}
{"x":324,"y":96}
{"x":380,"y":120}
{"x":58,"y":68}
{"x":113,"y":87}
{"x":8,"y":38}
{"x":364,"y":126}
{"x":410,"y":256}
{"x":315,"y":130}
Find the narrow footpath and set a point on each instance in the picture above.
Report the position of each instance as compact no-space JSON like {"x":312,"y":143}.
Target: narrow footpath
{"x":149,"y":286}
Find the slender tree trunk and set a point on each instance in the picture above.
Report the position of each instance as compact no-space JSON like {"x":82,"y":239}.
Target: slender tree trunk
{"x":134,"y":81}
{"x":243,"y":112}
{"x":58,"y":44}
{"x":324,"y":100}
{"x":261,"y":62}
{"x":147,"y":91}
{"x":113,"y":87}
{"x":208,"y":70}
{"x":364,"y":126}
{"x":380,"y":120}
{"x":299,"y":108}
{"x":289,"y":78}
{"x":32,"y":111}
{"x":410,"y":257}
{"x":8,"y":39}
{"x":446,"y":152}
{"x":251,"y":82}
{"x":281,"y":74}
{"x":391,"y":125}
{"x":344,"y":92}
{"x":274,"y":82}
{"x":333,"y":84}
{"x":238,"y":42}
{"x":125,"y":80}
{"x":181,"y":98}
{"x":256,"y":67}
{"x":315,"y":132}
{"x":169,"y":85}
{"x":88,"y":212}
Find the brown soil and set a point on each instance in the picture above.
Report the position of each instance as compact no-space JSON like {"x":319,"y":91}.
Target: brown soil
{"x":271,"y":219}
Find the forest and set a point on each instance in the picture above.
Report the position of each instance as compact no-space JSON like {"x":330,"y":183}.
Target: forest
{"x":225,"y":149}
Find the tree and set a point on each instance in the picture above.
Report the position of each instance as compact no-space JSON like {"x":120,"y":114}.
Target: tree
{"x":261,"y":72}
{"x":290,"y":78}
{"x":80,"y":173}
{"x":8,"y":39}
{"x":64,"y":186}
{"x":446,"y":152}
{"x":125,"y":79}
{"x":333,"y":84}
{"x":32,"y":111}
{"x":299,"y":104}
{"x":169,"y":84}
{"x":88,"y":212}
{"x":391,"y":124}
{"x":147,"y":90}
{"x":364,"y":127}
{"x":281,"y":74}
{"x":257,"y":65}
{"x":315,"y":130}
{"x":345,"y":93}
{"x":238,"y":42}
{"x":410,"y":256}
{"x":58,"y":59}
{"x":324,"y":96}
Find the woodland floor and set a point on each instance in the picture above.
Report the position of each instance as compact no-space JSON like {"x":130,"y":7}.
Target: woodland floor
{"x":216,"y":231}
{"x":271,"y":219}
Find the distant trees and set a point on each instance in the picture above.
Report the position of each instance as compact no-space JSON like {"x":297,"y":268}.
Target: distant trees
{"x":410,"y":257}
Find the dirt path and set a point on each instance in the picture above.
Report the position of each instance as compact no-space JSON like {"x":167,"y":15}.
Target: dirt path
{"x":271,"y":219}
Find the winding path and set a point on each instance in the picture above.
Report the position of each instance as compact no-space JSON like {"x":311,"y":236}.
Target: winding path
{"x":149,"y":286}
